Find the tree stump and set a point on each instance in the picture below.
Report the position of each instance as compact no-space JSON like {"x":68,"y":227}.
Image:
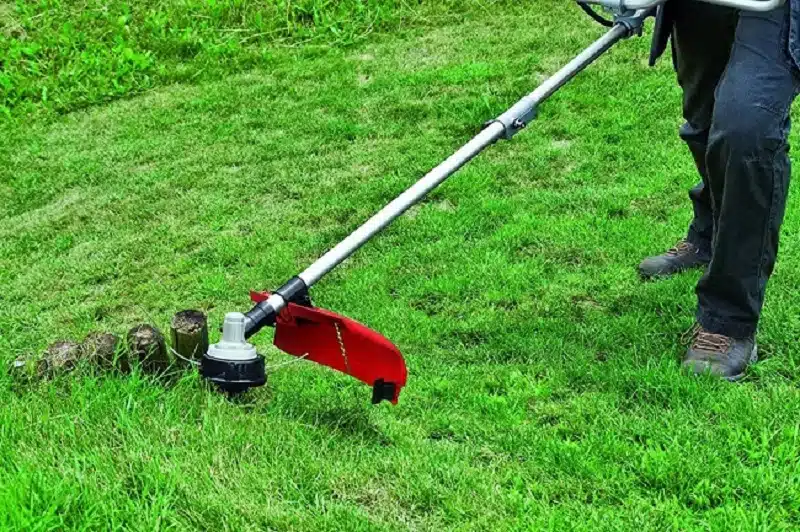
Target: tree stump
{"x":189,"y":331}
{"x":146,"y":343}
{"x":103,"y":350}
{"x":61,"y":357}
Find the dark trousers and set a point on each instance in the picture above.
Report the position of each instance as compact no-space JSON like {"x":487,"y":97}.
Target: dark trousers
{"x":738,"y":84}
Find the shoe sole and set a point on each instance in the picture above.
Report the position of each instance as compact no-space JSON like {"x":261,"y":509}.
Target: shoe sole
{"x":666,"y":274}
{"x":753,"y":360}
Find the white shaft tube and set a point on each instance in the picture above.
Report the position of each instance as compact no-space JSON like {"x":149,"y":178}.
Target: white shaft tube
{"x":399,"y":205}
{"x":512,"y":119}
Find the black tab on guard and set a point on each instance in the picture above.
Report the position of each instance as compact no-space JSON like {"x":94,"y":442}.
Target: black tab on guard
{"x":383,"y":391}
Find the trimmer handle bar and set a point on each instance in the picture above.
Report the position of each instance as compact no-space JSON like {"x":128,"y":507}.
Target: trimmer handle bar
{"x":622,"y":6}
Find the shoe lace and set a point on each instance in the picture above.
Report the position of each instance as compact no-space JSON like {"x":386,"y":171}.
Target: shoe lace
{"x":681,"y":247}
{"x":688,"y":336}
{"x":717,"y":343}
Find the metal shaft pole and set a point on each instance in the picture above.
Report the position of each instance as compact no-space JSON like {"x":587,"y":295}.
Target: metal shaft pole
{"x":402,"y":203}
{"x":550,"y":86}
{"x":435,"y":177}
{"x":505,"y":126}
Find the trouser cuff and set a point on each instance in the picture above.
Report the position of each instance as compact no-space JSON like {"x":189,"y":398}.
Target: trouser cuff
{"x":727,"y":327}
{"x":701,"y":242}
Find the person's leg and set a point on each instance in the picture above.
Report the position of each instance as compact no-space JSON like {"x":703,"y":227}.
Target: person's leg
{"x":748,"y":173}
{"x":748,"y":180}
{"x":702,"y":36}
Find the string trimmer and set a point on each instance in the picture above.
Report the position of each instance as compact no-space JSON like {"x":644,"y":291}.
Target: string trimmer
{"x":332,"y":340}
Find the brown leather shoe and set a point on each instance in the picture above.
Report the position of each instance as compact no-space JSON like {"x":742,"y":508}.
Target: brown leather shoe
{"x":720,"y":355}
{"x":683,"y":256}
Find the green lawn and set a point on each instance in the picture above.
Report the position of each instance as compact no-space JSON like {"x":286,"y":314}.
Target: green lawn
{"x":544,"y":388}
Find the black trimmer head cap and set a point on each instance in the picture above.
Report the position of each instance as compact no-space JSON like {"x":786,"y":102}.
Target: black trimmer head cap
{"x":234,"y":376}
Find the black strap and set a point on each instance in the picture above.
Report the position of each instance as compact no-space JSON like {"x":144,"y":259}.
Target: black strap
{"x":597,"y":18}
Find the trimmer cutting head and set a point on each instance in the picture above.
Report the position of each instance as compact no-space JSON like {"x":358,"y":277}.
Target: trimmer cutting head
{"x":313,"y":334}
{"x":233,"y":364}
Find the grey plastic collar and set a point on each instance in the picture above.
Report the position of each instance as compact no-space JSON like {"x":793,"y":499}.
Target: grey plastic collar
{"x":233,"y":345}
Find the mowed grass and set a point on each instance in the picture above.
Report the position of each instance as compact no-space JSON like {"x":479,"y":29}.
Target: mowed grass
{"x":544,"y":388}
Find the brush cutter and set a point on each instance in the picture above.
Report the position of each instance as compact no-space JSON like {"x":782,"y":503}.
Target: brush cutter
{"x":332,"y":340}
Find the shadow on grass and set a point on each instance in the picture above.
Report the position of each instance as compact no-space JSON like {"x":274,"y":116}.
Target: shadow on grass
{"x":350,"y":422}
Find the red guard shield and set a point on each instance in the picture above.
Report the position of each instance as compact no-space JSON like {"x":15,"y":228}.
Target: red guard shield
{"x":342,"y":344}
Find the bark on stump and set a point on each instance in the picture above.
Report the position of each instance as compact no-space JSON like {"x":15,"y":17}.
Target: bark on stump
{"x":146,"y":343}
{"x":189,"y":331}
{"x":103,"y":350}
{"x":61,"y":357}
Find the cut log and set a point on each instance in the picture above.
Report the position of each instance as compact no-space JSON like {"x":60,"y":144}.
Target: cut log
{"x":103,"y":350}
{"x":61,"y":357}
{"x":146,"y":343}
{"x":189,"y":331}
